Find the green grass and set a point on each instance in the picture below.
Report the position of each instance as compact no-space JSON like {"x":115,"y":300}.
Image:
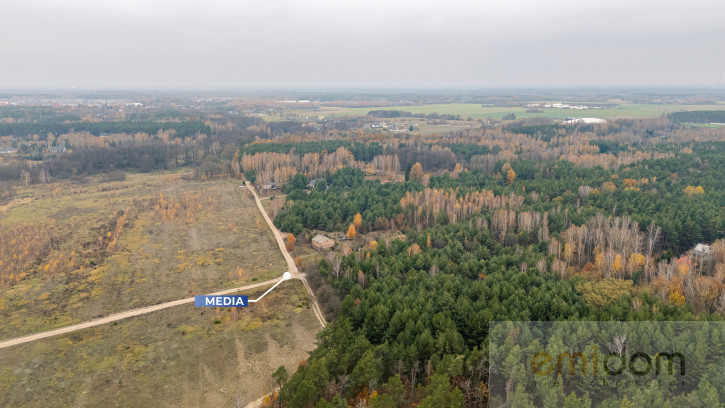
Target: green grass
{"x":477,"y":111}
{"x":706,"y":125}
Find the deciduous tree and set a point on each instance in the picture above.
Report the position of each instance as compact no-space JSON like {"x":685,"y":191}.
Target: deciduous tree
{"x":416,"y":173}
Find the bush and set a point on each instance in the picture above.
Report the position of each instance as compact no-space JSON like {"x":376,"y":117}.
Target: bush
{"x":116,"y":175}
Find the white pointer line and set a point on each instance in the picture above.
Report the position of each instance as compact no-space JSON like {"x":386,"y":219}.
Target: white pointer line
{"x":286,"y":276}
{"x":129,"y":313}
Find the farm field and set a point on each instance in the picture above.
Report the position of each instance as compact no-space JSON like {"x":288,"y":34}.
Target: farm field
{"x":477,"y":111}
{"x":178,"y":357}
{"x":105,"y":247}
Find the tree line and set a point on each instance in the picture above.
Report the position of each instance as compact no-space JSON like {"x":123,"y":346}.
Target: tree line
{"x":25,"y":129}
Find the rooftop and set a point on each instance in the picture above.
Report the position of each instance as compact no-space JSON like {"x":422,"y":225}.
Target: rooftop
{"x":319,"y":238}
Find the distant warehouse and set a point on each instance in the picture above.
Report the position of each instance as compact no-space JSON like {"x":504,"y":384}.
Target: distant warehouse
{"x":584,"y":121}
{"x":322,"y":242}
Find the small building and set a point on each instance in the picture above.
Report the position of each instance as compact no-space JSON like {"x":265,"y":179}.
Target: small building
{"x":584,"y":121}
{"x":701,"y":250}
{"x":57,"y":149}
{"x":314,"y":182}
{"x":8,"y":150}
{"x":322,"y":242}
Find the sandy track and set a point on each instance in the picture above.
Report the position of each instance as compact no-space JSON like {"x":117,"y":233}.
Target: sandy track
{"x":148,"y":309}
{"x":290,"y":262}
{"x":123,"y":315}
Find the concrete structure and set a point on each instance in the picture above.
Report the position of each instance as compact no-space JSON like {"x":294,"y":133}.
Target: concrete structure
{"x":322,"y":242}
{"x":314,"y":182}
{"x":701,"y":249}
{"x":586,"y":121}
{"x":57,"y":149}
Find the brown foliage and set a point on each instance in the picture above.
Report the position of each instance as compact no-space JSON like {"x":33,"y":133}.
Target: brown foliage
{"x":424,"y":207}
{"x":416,"y":173}
{"x":20,"y":247}
{"x":189,"y":205}
{"x":351,"y":232}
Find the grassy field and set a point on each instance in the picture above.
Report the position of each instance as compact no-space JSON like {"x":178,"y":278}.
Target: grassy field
{"x":477,"y":111}
{"x":208,"y":237}
{"x":178,"y":357}
{"x":114,"y":246}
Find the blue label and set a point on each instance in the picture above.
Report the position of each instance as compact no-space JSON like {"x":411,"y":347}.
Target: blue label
{"x":221,"y":301}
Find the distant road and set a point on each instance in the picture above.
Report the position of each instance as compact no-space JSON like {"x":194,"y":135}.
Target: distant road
{"x":123,"y":315}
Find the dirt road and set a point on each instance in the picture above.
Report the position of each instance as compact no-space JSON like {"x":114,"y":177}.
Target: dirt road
{"x":123,"y":315}
{"x":296,"y":274}
{"x":137,"y":312}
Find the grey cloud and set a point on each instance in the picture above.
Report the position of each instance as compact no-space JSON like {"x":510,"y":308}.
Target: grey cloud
{"x":373,"y":43}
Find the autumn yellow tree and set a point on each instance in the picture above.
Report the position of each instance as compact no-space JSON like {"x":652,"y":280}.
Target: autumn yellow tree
{"x":457,"y":170}
{"x":636,"y":262}
{"x":683,"y":269}
{"x":677,"y":298}
{"x":291,"y":242}
{"x":569,"y":252}
{"x":690,"y":190}
{"x":510,"y":177}
{"x":628,"y":182}
{"x":617,"y":263}
{"x":351,"y":232}
{"x":608,"y":187}
{"x":357,"y":221}
{"x":416,"y":173}
{"x":676,"y":289}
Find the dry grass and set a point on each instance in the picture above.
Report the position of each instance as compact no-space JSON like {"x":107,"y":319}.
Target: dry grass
{"x":148,"y":259}
{"x":179,"y":357}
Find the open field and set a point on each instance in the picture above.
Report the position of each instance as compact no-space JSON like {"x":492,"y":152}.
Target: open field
{"x":178,"y":357}
{"x":127,"y":244}
{"x":477,"y":111}
{"x":707,"y":125}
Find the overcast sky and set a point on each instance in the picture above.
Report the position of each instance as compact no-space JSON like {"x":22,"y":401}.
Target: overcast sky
{"x":361,"y":43}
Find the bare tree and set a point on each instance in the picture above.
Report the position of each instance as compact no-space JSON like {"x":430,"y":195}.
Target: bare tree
{"x":399,"y":367}
{"x":721,"y":306}
{"x":44,"y":175}
{"x":618,"y":344}
{"x":653,"y":236}
{"x":414,"y":373}
{"x":335,"y":262}
{"x":428,"y":369}
{"x":343,"y":382}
